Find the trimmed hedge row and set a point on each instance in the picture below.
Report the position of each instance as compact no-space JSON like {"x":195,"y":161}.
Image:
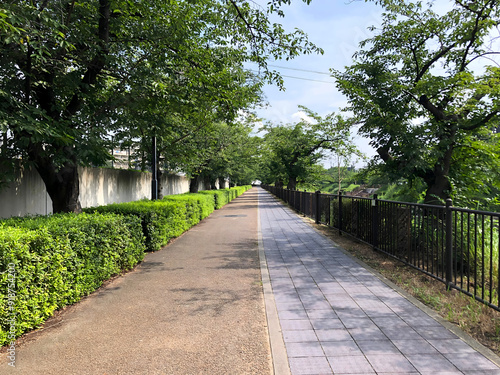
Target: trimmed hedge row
{"x":49,"y":262}
{"x":168,"y":218}
{"x":224,"y":196}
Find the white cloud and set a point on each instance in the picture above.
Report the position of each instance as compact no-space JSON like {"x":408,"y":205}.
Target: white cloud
{"x":302,"y":116}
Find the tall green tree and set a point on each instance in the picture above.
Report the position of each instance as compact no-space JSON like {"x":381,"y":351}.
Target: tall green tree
{"x":290,"y":152}
{"x":424,"y":87}
{"x":218,"y":151}
{"x":69,"y":69}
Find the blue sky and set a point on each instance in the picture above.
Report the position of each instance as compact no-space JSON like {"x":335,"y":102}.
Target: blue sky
{"x":337,"y":26}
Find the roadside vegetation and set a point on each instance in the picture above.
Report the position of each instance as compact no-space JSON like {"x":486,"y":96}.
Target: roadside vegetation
{"x":78,"y":79}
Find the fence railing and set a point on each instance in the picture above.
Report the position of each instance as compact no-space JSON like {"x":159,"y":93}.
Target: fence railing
{"x":457,"y":246}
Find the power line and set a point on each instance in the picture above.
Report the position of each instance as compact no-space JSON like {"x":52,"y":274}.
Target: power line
{"x":300,"y":70}
{"x":308,"y":79}
{"x":301,"y":78}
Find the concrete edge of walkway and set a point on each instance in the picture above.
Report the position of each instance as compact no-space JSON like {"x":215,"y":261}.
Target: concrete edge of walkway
{"x":488,"y":353}
{"x":278,"y":350}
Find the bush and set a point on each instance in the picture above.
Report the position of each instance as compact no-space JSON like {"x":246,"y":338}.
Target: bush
{"x":220,"y":197}
{"x":60,"y":258}
{"x":160,"y":220}
{"x":198,"y":206}
{"x":224,"y":196}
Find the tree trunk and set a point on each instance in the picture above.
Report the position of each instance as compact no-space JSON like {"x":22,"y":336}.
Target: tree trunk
{"x":438,"y":182}
{"x":193,"y":184}
{"x":207,"y":185}
{"x":292,"y":183}
{"x":63,"y":187}
{"x":213,"y":185}
{"x":438,"y":189}
{"x":222,"y":183}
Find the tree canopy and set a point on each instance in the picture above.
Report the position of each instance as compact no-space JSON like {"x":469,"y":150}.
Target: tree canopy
{"x":426,"y":88}
{"x":73,"y":73}
{"x":291,"y":152}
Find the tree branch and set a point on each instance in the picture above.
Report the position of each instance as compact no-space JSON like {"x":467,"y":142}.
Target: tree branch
{"x":97,"y":64}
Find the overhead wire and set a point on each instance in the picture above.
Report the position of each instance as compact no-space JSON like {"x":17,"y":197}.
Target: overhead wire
{"x":300,"y":70}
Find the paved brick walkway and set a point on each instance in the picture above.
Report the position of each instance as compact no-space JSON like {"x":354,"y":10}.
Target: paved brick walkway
{"x":337,"y":317}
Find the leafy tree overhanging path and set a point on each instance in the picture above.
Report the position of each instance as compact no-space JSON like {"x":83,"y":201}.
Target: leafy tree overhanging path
{"x":197,"y":306}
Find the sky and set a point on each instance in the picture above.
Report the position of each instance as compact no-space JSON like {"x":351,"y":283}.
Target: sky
{"x":337,"y":26}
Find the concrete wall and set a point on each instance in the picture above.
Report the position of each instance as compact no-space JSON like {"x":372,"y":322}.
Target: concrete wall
{"x":98,"y":186}
{"x":26,"y":195}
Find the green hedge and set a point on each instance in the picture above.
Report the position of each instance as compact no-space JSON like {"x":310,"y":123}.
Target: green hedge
{"x":59,"y":259}
{"x":198,"y":206}
{"x":171,"y":216}
{"x":224,"y":196}
{"x":164,"y":219}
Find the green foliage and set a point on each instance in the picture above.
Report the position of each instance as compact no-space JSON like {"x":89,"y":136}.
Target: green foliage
{"x":290,"y":153}
{"x":218,"y":150}
{"x":198,"y":206}
{"x":72,"y":74}
{"x":421,"y":87}
{"x":161,"y":220}
{"x":328,"y":180}
{"x":168,"y":218}
{"x":59,"y":259}
{"x":221,"y":197}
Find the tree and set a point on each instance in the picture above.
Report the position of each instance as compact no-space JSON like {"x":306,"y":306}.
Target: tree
{"x":291,"y":151}
{"x":68,"y":70}
{"x":417,"y":90}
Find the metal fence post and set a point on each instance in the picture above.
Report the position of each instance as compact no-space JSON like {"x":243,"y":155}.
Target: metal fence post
{"x":340,"y":212}
{"x":303,"y":202}
{"x":449,"y":244}
{"x":318,"y":209}
{"x":375,"y":221}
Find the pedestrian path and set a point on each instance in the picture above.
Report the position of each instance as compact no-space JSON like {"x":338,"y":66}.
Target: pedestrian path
{"x":337,"y":317}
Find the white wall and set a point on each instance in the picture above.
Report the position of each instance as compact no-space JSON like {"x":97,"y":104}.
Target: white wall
{"x":26,"y":195}
{"x":98,"y":186}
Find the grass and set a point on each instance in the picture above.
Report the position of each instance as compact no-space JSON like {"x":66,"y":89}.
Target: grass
{"x":478,"y":320}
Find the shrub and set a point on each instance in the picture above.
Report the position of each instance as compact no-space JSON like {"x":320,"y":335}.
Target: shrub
{"x":198,"y":206}
{"x":60,"y":258}
{"x":220,"y":197}
{"x":224,"y":196}
{"x":160,"y":220}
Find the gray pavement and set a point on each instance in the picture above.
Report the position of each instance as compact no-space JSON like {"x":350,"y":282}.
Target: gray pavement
{"x":337,"y":317}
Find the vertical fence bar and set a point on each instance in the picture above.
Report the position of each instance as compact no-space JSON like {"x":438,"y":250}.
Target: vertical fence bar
{"x":318,"y":207}
{"x":449,"y":244}
{"x":340,"y":212}
{"x":375,"y":221}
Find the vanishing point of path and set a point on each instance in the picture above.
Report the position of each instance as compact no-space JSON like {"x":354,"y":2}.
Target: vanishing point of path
{"x":252,"y":289}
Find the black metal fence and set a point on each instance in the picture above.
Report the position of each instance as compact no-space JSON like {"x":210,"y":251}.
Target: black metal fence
{"x":457,"y":246}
